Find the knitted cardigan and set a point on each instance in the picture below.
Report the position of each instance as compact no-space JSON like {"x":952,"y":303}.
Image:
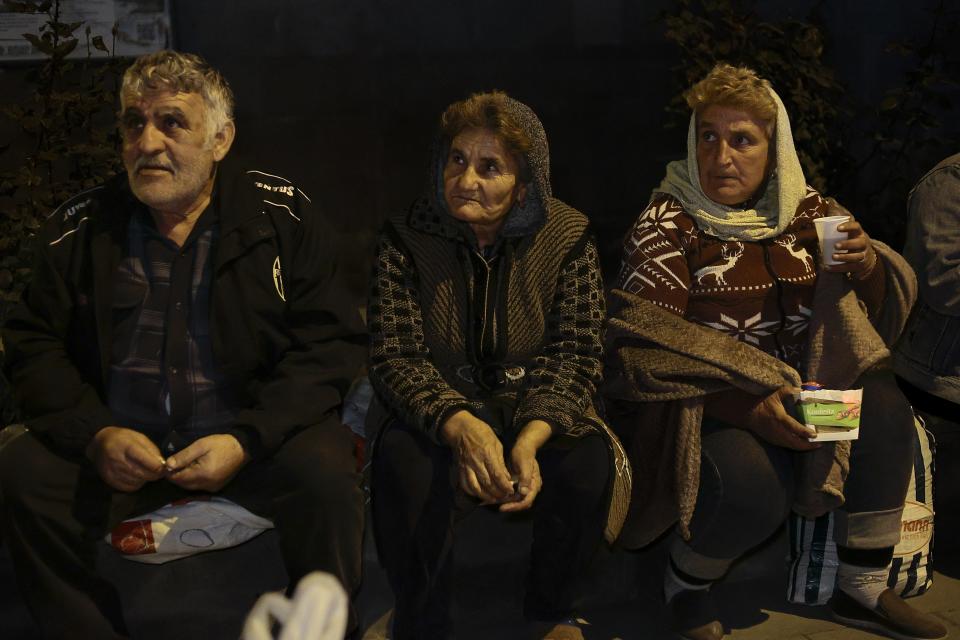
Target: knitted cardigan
{"x":661,"y":367}
{"x":549,"y":310}
{"x":421,"y":317}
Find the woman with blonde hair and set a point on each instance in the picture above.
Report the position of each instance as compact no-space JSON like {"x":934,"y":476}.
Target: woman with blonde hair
{"x":722,"y":307}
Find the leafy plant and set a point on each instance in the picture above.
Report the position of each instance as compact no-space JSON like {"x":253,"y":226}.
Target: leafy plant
{"x":65,"y":139}
{"x":789,"y":54}
{"x":905,"y":133}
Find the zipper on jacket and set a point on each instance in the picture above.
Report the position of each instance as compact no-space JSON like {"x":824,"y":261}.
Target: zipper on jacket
{"x":501,"y":326}
{"x":486,"y":308}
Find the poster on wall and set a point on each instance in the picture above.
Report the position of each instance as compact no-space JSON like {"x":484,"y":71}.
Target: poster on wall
{"x":142,"y":26}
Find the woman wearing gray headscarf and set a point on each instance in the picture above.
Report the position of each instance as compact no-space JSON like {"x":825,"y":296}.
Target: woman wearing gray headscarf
{"x":721,"y":302}
{"x":485,"y":319}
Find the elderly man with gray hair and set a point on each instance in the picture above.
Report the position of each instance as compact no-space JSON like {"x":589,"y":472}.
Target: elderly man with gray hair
{"x":184,"y":334}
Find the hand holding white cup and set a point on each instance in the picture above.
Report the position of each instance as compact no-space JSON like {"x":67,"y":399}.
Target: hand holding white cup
{"x":844,"y":246}
{"x":829,"y":234}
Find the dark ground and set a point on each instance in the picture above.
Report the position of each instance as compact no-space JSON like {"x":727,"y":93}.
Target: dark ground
{"x":620,"y":595}
{"x":621,"y":598}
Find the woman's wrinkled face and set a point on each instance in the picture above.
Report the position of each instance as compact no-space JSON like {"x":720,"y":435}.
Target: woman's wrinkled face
{"x":480,"y":181}
{"x":733,"y":154}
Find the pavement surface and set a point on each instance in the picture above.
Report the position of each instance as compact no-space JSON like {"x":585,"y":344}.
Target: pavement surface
{"x":620,"y":597}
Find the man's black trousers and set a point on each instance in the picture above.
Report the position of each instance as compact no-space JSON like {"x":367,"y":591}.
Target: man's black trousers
{"x":56,"y":510}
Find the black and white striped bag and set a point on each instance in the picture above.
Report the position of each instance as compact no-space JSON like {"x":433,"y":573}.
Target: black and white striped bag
{"x":813,"y":552}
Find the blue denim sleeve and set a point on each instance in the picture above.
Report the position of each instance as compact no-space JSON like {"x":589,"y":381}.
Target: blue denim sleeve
{"x":933,"y":238}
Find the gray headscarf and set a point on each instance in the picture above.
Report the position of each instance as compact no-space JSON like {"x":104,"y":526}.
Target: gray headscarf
{"x":520,"y":220}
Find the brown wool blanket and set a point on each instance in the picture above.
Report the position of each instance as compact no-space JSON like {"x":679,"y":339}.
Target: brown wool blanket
{"x":661,"y":367}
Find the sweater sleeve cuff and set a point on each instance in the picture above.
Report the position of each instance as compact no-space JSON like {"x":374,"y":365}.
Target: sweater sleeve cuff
{"x":249,"y":439}
{"x":873,"y":287}
{"x":442,"y":415}
{"x":71,"y":430}
{"x":559,"y":412}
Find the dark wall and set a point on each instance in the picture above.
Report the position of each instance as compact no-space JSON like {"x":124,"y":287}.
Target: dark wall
{"x":343,"y":95}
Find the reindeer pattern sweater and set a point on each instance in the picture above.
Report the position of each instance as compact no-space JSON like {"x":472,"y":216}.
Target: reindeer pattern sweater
{"x":758,"y":292}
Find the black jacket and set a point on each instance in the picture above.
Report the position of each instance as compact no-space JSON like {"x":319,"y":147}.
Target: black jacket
{"x":285,"y":336}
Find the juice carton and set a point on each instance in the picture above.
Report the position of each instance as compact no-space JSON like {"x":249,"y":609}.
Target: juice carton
{"x":834,"y":413}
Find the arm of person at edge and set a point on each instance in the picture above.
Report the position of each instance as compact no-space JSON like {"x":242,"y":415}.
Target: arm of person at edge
{"x":57,"y":402}
{"x":60,"y":406}
{"x":404,"y":375}
{"x":933,"y":239}
{"x":307,"y":384}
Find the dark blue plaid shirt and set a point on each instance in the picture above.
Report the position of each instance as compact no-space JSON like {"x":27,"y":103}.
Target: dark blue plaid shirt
{"x":162,"y":377}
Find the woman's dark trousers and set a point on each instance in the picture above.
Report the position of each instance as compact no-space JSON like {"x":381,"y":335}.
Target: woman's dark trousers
{"x":746,"y":485}
{"x":417,"y":506}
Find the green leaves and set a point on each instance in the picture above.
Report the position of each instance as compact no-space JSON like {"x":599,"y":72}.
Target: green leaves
{"x":41,"y":44}
{"x":64,"y":49}
{"x":64,"y":29}
{"x":890,"y":103}
{"x":788,"y":53}
{"x":67,"y":126}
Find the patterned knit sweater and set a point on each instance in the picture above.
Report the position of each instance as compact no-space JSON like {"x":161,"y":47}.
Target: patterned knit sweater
{"x":757,"y":292}
{"x":440,"y":311}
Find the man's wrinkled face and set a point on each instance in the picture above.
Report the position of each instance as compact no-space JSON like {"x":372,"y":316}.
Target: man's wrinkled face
{"x":167,"y":153}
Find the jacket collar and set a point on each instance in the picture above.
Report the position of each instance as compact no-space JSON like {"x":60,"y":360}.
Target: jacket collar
{"x":239,"y":200}
{"x":232,"y":210}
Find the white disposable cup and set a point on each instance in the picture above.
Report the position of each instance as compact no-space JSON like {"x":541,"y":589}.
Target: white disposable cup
{"x":829,"y":236}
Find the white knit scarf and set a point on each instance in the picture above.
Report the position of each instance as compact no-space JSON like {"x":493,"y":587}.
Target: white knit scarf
{"x":773,"y":211}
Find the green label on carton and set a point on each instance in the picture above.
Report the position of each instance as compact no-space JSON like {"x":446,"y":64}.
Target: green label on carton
{"x":838,"y":408}
{"x":830,"y":414}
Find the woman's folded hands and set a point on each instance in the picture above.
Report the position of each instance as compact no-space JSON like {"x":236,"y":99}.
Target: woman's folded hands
{"x":482,"y":467}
